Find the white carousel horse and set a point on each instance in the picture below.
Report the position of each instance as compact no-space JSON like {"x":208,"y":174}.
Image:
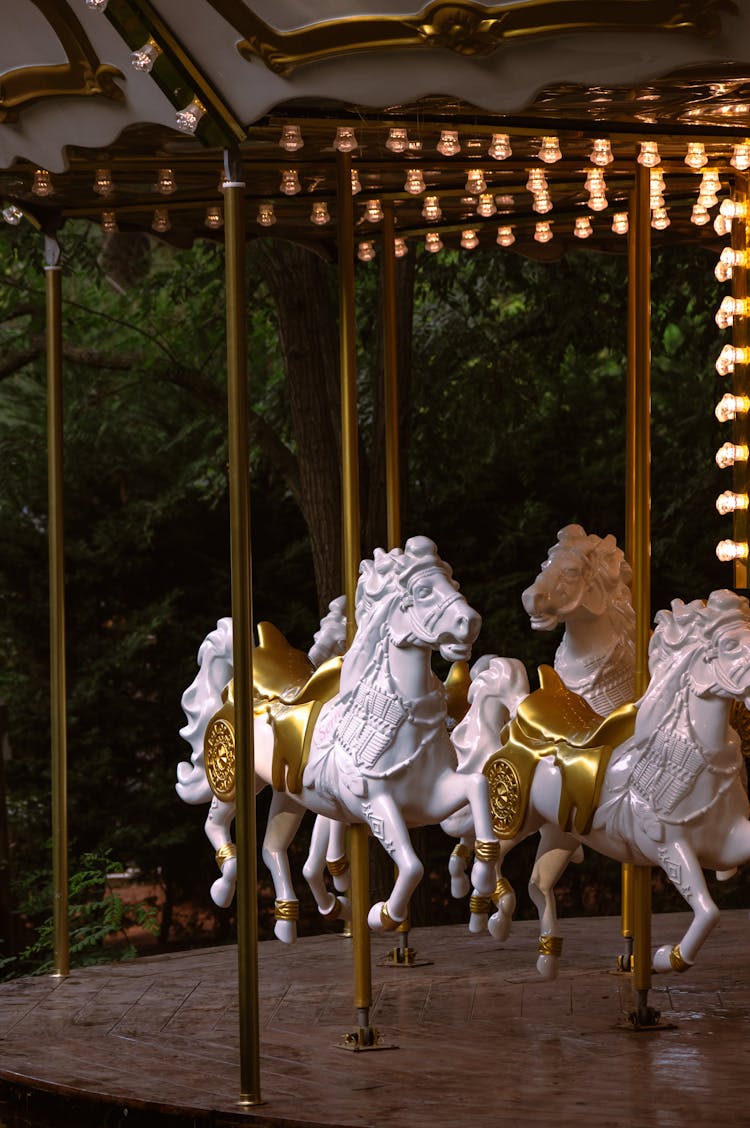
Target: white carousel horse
{"x":379,"y":752}
{"x":215,"y":663}
{"x":657,"y":783}
{"x":584,"y":584}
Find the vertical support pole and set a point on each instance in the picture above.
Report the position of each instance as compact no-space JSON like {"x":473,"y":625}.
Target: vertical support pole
{"x":358,"y":841}
{"x":740,"y":381}
{"x":58,"y":710}
{"x":638,"y":523}
{"x":242,"y":616}
{"x":390,"y":377}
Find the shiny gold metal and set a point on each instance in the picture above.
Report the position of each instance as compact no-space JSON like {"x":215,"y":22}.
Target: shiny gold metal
{"x":286,"y":910}
{"x":337,"y":866}
{"x":390,"y":381}
{"x":740,"y":380}
{"x":468,"y":28}
{"x":479,"y":903}
{"x":677,"y":961}
{"x":503,"y":886}
{"x":386,"y":920}
{"x":242,"y":614}
{"x":457,"y":689}
{"x":486,"y":851}
{"x":461,"y":851}
{"x":333,"y":913}
{"x":58,"y":680}
{"x":627,"y":900}
{"x":224,"y":853}
{"x":219,"y":754}
{"x":550,"y":945}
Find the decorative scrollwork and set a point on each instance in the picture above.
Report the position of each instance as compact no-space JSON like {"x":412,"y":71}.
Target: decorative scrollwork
{"x":218,"y":754}
{"x":505,"y":798}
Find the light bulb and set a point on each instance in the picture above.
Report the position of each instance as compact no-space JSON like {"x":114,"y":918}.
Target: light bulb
{"x":165,"y":182}
{"x":729,"y":357}
{"x":109,"y":222}
{"x":373,"y":211}
{"x":729,"y":309}
{"x":595,"y":181}
{"x":537,"y":181}
{"x":398,"y":140}
{"x":469,"y":239}
{"x":549,"y":150}
{"x":214,"y":218}
{"x":729,"y":502}
{"x":356,"y":185}
{"x":431,"y":211}
{"x":414,"y":183}
{"x":601,"y":152}
{"x":649,"y":154}
{"x":400,"y":247}
{"x":597,"y":201}
{"x":542,"y":203}
{"x":723,"y":271}
{"x":729,"y":407}
{"x":710,"y":181}
{"x":144,"y":58}
{"x":486,"y":206}
{"x":266,"y":216}
{"x":289,"y":183}
{"x":740,"y":157}
{"x":12,"y":215}
{"x":620,"y":223}
{"x":187,"y":120}
{"x":432,"y":242}
{"x":499,"y":148}
{"x":448,"y":144}
{"x":729,"y":453}
{"x":103,"y":185}
{"x":696,"y":155}
{"x":722,"y":225}
{"x":42,"y":183}
{"x":729,"y":550}
{"x":319,"y":213}
{"x":291,"y":138}
{"x":699,"y":215}
{"x":505,"y":236}
{"x":366,"y":251}
{"x":660,"y":219}
{"x":345,"y":140}
{"x":475,"y":182}
{"x":583,"y":227}
{"x":733,"y":209}
{"x":543,"y":232}
{"x":708,"y":199}
{"x":160,"y":222}
{"x":96,"y":5}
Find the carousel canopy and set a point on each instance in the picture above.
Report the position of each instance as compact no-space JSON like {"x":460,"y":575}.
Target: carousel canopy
{"x":516,"y":122}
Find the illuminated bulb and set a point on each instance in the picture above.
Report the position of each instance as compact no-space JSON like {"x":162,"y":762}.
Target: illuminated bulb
{"x":469,"y":240}
{"x":398,"y":140}
{"x":722,"y":225}
{"x":475,"y":182}
{"x":319,"y":213}
{"x":448,"y":144}
{"x":161,"y":222}
{"x":656,"y":180}
{"x":400,"y":248}
{"x":414,"y":183}
{"x":291,"y":138}
{"x":620,"y":223}
{"x":96,"y":5}
{"x":537,"y":181}
{"x":729,"y":453}
{"x":729,"y":502}
{"x":505,"y":236}
{"x":729,"y":309}
{"x":597,"y":201}
{"x":42,"y":183}
{"x":432,"y":242}
{"x":729,"y":357}
{"x":500,"y":148}
{"x":12,"y":215}
{"x":595,"y":181}
{"x":710,"y":185}
{"x":696,"y":155}
{"x":144,"y":58}
{"x":729,"y":550}
{"x":165,"y":182}
{"x":356,"y":185}
{"x":733,"y":209}
{"x":373,"y":211}
{"x":729,"y":407}
{"x":187,"y":120}
{"x":431,"y":210}
{"x":601,"y":152}
{"x":699,"y":215}
{"x":649,"y":154}
{"x":103,"y":185}
{"x":583,"y":227}
{"x":542,"y":203}
{"x":290,"y":184}
{"x":708,"y":199}
{"x":345,"y":140}
{"x":366,"y":252}
{"x":486,"y":206}
{"x":740,"y":158}
{"x":214,"y":218}
{"x":109,"y":222}
{"x":266,"y":216}
{"x":543,"y":232}
{"x":549,"y":150}
{"x":660,"y":219}
{"x":728,"y":259}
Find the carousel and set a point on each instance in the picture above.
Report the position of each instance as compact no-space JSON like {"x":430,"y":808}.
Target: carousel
{"x":532,"y":126}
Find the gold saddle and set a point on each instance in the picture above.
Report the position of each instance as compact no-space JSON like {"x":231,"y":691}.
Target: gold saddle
{"x":554,"y":721}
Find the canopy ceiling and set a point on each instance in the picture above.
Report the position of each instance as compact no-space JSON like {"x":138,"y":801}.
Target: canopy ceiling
{"x":72,"y":103}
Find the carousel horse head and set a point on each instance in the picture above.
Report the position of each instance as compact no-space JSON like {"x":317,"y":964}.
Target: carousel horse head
{"x":583,"y":577}
{"x":413,"y":591}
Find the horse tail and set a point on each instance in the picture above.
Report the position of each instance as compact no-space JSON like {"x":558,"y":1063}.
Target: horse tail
{"x":199,"y":702}
{"x":498,"y":686}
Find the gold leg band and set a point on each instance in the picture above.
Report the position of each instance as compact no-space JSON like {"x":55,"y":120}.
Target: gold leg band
{"x":677,"y":961}
{"x":479,"y":904}
{"x":286,"y":910}
{"x":550,"y":945}
{"x":386,"y":920}
{"x":337,"y":866}
{"x":224,"y":853}
{"x":461,"y":851}
{"x":503,"y":886}
{"x":333,"y":913}
{"x":487,"y":851}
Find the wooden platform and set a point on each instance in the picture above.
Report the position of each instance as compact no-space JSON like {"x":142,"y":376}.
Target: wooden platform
{"x":482,"y":1040}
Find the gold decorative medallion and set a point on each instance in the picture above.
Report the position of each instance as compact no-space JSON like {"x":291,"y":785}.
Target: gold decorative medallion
{"x":218,"y":751}
{"x":505,"y":798}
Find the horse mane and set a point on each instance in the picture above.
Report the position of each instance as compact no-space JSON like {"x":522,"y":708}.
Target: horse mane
{"x":700,"y":618}
{"x":199,"y":701}
{"x":606,"y":566}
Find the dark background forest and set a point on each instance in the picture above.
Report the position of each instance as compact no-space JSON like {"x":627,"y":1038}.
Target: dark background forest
{"x":512,"y":387}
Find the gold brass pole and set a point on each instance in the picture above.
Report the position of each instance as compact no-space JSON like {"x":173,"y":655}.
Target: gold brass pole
{"x":242,"y":615}
{"x":638,"y":526}
{"x":390,"y":378}
{"x":740,"y":381}
{"x":58,"y":712}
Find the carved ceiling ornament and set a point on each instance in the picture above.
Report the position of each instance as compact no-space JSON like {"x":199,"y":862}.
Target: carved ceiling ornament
{"x":83,"y":74}
{"x":468,"y":28}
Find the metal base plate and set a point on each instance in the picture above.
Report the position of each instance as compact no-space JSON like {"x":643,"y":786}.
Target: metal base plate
{"x":403,"y":957}
{"x":363,"y":1040}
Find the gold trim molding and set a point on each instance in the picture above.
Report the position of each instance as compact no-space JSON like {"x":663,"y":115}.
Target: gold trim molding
{"x":467,"y":28}
{"x":82,"y":75}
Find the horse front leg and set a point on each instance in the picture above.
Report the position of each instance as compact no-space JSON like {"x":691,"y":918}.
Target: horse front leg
{"x":684,"y":871}
{"x":284,"y":817}
{"x":330,"y":906}
{"x":218,"y":830}
{"x":387,"y":825}
{"x":553,"y":854}
{"x":337,"y":861}
{"x":448,"y":792}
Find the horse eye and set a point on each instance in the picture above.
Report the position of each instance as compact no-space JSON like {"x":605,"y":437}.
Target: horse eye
{"x":423,"y":592}
{"x":731,"y":644}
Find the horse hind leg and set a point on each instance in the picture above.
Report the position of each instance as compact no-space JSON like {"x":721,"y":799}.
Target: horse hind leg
{"x":330,"y":906}
{"x":555,"y":851}
{"x":284,"y":818}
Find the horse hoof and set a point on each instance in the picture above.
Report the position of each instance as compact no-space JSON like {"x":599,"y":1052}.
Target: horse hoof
{"x":499,"y":925}
{"x":222,"y":890}
{"x":477,"y":922}
{"x":460,"y":886}
{"x":285,"y":931}
{"x":374,"y":919}
{"x":724,"y":875}
{"x":547,"y":966}
{"x":668,"y":959}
